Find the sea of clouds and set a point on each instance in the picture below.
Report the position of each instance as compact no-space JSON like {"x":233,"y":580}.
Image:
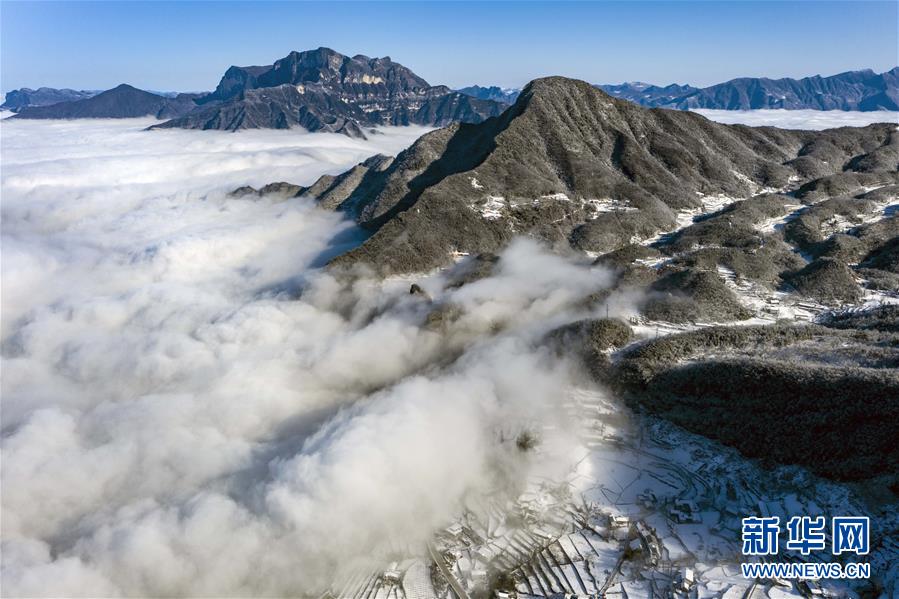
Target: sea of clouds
{"x":800,"y":119}
{"x":193,"y":406}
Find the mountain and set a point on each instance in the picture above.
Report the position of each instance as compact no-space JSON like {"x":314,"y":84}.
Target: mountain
{"x":123,"y":101}
{"x":569,"y":164}
{"x":854,"y":90}
{"x":18,"y":99}
{"x":323,"y":90}
{"x":699,"y":223}
{"x":647,"y":94}
{"x":497,"y":94}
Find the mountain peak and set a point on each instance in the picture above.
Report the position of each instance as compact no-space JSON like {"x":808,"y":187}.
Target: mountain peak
{"x":320,"y":51}
{"x":556,"y":84}
{"x":562,"y":94}
{"x":322,"y":89}
{"x":552,"y":81}
{"x":320,"y":67}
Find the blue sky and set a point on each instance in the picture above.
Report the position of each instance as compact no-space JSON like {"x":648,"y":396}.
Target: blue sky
{"x":188,"y":45}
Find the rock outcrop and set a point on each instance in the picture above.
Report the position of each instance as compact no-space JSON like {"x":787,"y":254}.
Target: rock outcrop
{"x":323,"y":90}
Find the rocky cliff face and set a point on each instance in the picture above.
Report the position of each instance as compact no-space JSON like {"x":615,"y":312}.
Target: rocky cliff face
{"x":358,"y":76}
{"x":573,"y":166}
{"x":323,"y":90}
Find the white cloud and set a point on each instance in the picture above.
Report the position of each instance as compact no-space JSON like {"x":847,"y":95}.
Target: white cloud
{"x":179,"y":420}
{"x":799,"y":119}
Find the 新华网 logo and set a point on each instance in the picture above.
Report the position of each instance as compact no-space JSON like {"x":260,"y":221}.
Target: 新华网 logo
{"x":806,"y":534}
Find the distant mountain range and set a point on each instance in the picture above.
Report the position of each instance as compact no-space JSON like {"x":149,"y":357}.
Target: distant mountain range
{"x":18,"y":99}
{"x":123,"y":101}
{"x":507,"y":95}
{"x":323,"y":90}
{"x":647,"y":94}
{"x":854,"y":90}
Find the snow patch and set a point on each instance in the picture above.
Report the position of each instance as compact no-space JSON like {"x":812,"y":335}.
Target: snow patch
{"x":559,"y":197}
{"x":777,"y":223}
{"x":491,"y":208}
{"x":601,"y":205}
